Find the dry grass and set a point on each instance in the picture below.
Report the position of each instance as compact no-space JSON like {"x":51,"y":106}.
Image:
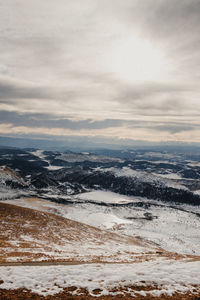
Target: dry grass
{"x":28,"y":235}
{"x":31,"y":235}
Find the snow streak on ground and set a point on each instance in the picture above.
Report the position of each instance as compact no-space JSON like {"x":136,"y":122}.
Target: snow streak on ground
{"x":53,"y":168}
{"x":168,"y":276}
{"x":39,"y":153}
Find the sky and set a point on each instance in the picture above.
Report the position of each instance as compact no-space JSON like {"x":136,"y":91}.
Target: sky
{"x":100,"y":68}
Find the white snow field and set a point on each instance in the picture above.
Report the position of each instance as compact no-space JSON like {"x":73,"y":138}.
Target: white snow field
{"x":168,"y":276}
{"x":105,"y":197}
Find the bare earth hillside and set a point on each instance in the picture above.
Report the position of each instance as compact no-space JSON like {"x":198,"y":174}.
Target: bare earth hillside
{"x":46,"y":256}
{"x":31,"y":235}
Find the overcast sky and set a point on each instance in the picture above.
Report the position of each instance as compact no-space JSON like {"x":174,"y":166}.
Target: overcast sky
{"x":110,"y":68}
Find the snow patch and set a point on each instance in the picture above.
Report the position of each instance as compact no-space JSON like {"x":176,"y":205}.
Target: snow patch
{"x":105,"y":197}
{"x":171,"y":276}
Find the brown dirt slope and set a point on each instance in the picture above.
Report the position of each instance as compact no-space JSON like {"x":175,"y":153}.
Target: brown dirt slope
{"x":31,"y":235}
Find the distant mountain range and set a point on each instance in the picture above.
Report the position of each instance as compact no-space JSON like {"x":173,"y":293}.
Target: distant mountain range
{"x":86,"y":143}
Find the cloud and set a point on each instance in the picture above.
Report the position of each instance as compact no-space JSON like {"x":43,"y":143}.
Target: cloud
{"x":176,"y":128}
{"x":49,"y":121}
{"x":56,"y":70}
{"x":11,"y":91}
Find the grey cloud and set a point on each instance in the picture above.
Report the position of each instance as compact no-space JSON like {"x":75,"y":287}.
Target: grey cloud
{"x":14,"y":91}
{"x":171,"y":127}
{"x":11,"y":91}
{"x":55,"y":54}
{"x":176,"y":128}
{"x":166,"y":18}
{"x":149,"y":91}
{"x":50,"y":121}
{"x":157,"y":99}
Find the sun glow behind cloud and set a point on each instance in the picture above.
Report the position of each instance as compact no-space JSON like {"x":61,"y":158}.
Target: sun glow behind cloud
{"x":136,"y":59}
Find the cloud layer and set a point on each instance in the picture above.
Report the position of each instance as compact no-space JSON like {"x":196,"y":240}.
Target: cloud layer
{"x":57,"y":75}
